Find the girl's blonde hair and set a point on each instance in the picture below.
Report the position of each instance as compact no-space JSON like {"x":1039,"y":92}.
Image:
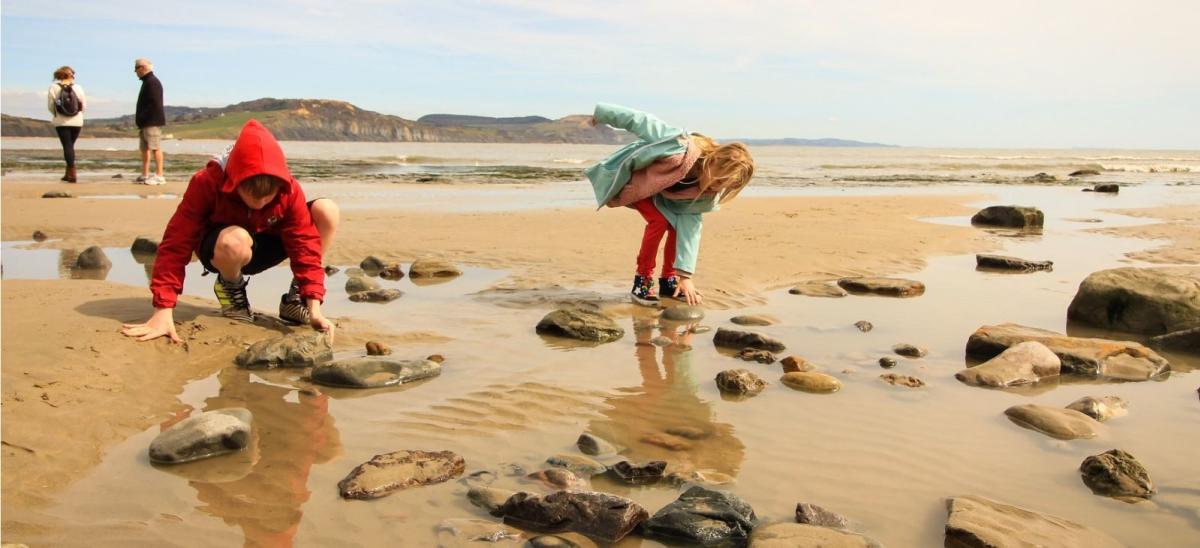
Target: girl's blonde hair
{"x":724,"y":169}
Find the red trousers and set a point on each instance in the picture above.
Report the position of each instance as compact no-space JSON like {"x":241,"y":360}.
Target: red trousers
{"x":656,"y":225}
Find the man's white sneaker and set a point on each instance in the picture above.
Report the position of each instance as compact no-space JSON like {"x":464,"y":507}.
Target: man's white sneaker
{"x":156,"y":180}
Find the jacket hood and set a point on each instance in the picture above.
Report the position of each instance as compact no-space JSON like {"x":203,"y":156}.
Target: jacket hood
{"x":256,"y":152}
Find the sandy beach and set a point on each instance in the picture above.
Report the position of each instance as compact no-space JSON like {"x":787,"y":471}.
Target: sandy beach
{"x":75,"y":392}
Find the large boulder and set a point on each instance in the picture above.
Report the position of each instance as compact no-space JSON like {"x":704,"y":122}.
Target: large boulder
{"x":1117,"y":474}
{"x":1063,"y":424}
{"x":201,"y":436}
{"x":1010,"y":216}
{"x":144,"y":245}
{"x":390,"y":472}
{"x":1123,"y":360}
{"x":1139,"y":300}
{"x":888,"y":287}
{"x":702,"y":517}
{"x":794,"y":535}
{"x":978,"y":522}
{"x":729,"y":338}
{"x":374,"y":372}
{"x":985,"y":261}
{"x":581,"y":324}
{"x":598,"y":515}
{"x":1022,"y":363}
{"x":93,"y":258}
{"x":298,"y":350}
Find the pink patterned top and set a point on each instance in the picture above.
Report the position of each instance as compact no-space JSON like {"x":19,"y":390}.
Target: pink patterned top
{"x":658,"y":177}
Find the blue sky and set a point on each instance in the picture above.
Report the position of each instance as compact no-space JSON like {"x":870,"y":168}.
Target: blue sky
{"x":1052,"y":73}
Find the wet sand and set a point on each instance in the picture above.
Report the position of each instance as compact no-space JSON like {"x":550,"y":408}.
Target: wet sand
{"x":81,"y":403}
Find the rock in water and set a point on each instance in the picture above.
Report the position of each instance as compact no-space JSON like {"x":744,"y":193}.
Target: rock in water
{"x":683,"y":313}
{"x":375,"y":348}
{"x":888,"y":287}
{"x":433,"y":268}
{"x":331,"y":270}
{"x":577,"y":323}
{"x":39,"y":236}
{"x":93,"y":258}
{"x":372,"y":264}
{"x":738,"y":340}
{"x":977,"y":522}
{"x":1121,"y":360}
{"x":1117,"y":474}
{"x":811,"y":381}
{"x":1010,"y":216}
{"x":593,"y":445}
{"x":811,"y":514}
{"x":902,"y":380}
{"x":752,"y":320}
{"x":1001,"y":262}
{"x":793,"y":535}
{"x":796,"y":364}
{"x":1023,"y":363}
{"x":1100,"y":409}
{"x":392,"y":272}
{"x":703,"y":517}
{"x":473,"y":533}
{"x":1064,"y":424}
{"x":1041,"y":178}
{"x":144,"y":245}
{"x":373,"y":372}
{"x":201,"y":436}
{"x":1187,"y":340}
{"x":760,"y":356}
{"x":578,"y":464}
{"x":1111,"y":188}
{"x":864,"y":325}
{"x":597,"y":515}
{"x":910,"y":351}
{"x":1139,"y":300}
{"x":489,"y":498}
{"x":357,"y":284}
{"x":1083,"y":173}
{"x":739,"y":382}
{"x":559,"y":478}
{"x":390,"y":472}
{"x":818,"y":289}
{"x":297,"y":350}
{"x":638,"y":474}
{"x":887,"y":362}
{"x":376,"y":295}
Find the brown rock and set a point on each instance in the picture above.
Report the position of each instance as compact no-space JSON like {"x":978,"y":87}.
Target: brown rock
{"x":977,"y":522}
{"x":1092,"y":357}
{"x":752,"y":355}
{"x":1063,"y":424}
{"x":796,"y":364}
{"x":811,"y":382}
{"x":377,"y":349}
{"x":902,"y":380}
{"x":739,"y":382}
{"x":436,"y":358}
{"x":391,"y":472}
{"x":559,"y":478}
{"x":888,"y":287}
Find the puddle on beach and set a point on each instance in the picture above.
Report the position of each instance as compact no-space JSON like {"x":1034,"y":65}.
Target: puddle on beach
{"x":886,"y":457}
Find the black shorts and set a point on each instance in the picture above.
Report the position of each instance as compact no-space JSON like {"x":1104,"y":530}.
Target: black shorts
{"x":267,"y":249}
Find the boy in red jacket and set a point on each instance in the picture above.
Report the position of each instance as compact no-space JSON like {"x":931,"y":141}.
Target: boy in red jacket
{"x":242,"y":214}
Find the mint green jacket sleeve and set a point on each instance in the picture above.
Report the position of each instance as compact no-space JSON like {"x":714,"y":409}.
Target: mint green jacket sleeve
{"x":645,"y":125}
{"x":686,"y":217}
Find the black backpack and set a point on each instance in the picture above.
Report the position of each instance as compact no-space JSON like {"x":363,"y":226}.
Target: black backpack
{"x":67,"y":103}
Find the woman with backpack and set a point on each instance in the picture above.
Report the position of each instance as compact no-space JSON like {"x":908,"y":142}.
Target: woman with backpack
{"x":66,"y":102}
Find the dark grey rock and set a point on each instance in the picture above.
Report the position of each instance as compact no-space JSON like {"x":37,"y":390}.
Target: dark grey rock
{"x":703,"y":517}
{"x":577,"y":323}
{"x":1010,"y":216}
{"x":93,"y":258}
{"x":58,"y":194}
{"x":376,"y":295}
{"x":331,"y":270}
{"x":1083,"y":173}
{"x":887,"y":287}
{"x":910,"y":351}
{"x":598,"y":515}
{"x":1117,"y":474}
{"x":593,"y":445}
{"x":1111,"y":188}
{"x":752,"y":320}
{"x":144,"y":245}
{"x":811,"y":514}
{"x":356,"y":284}
{"x":1186,"y":340}
{"x":297,"y":350}
{"x":373,"y":372}
{"x":638,"y":474}
{"x":201,"y":436}
{"x":1139,"y":300}
{"x":433,"y":268}
{"x":1122,"y":360}
{"x":390,"y":472}
{"x":1001,"y":262}
{"x":864,"y":325}
{"x":760,"y":356}
{"x":739,"y":382}
{"x":683,"y":313}
{"x":887,"y":362}
{"x":729,"y":338}
{"x":977,"y":522}
{"x":372,"y":265}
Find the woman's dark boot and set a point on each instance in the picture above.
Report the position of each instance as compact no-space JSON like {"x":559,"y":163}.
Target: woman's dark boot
{"x":70,"y":176}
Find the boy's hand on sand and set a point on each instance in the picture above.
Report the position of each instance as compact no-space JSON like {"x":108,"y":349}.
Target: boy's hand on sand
{"x":162,"y":323}
{"x":688,"y":291}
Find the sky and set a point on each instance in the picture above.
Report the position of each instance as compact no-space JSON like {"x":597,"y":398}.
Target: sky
{"x":965,"y":73}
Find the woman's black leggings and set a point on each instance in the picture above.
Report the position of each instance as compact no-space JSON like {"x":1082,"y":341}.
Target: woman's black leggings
{"x":67,"y":135}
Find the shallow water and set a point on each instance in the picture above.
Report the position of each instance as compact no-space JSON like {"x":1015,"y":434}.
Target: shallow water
{"x":884,"y":456}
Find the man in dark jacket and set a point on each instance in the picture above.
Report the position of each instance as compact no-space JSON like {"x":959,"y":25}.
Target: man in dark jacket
{"x":150,"y":120}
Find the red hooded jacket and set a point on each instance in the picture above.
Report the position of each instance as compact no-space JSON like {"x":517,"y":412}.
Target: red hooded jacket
{"x":211,"y":199}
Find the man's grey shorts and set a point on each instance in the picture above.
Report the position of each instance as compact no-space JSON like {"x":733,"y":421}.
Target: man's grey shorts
{"x":149,"y":138}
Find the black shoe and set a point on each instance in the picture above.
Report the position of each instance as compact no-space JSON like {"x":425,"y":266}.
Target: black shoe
{"x":643,"y":291}
{"x":667,"y":287}
{"x":291,"y":306}
{"x":234,"y":302}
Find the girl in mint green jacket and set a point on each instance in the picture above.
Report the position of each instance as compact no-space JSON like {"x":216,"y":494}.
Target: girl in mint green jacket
{"x":671,"y":178}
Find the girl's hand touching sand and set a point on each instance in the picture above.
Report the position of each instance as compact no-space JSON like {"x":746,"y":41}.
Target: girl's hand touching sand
{"x":688,"y":291}
{"x":161,"y":324}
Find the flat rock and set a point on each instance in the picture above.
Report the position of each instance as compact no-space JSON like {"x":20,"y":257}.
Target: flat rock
{"x":1063,"y":424}
{"x":1117,"y":474}
{"x":702,"y":517}
{"x":577,"y":323}
{"x":593,"y":445}
{"x":753,"y":320}
{"x":561,"y":540}
{"x":864,"y":325}
{"x":689,"y":432}
{"x":376,"y":295}
{"x":818,"y":289}
{"x":598,"y":515}
{"x":304,"y":349}
{"x":910,"y":350}
{"x":811,"y":514}
{"x":699,"y":477}
{"x":1124,"y":360}
{"x":1186,"y":340}
{"x":739,"y":382}
{"x":760,"y":356}
{"x":578,"y":464}
{"x":811,"y":381}
{"x":796,"y":364}
{"x":1009,"y":216}
{"x":144,"y":245}
{"x":373,"y":372}
{"x":666,"y":441}
{"x":356,"y":284}
{"x":1022,"y":363}
{"x":902,"y":380}
{"x":489,"y":499}
{"x":477,"y":533}
{"x":683,"y":313}
{"x":390,"y":472}
{"x":638,"y":474}
{"x":1111,"y":188}
{"x":1002,"y":262}
{"x":1041,"y":178}
{"x":58,"y":194}
{"x":559,"y":478}
{"x":433,"y":268}
{"x":738,"y":340}
{"x":372,"y":264}
{"x":887,"y":287}
{"x":204,"y":435}
{"x":793,"y":535}
{"x":1139,"y":300}
{"x":978,"y":522}
{"x":375,"y":348}
{"x":93,"y":258}
{"x":1101,"y":409}
{"x":1083,"y":173}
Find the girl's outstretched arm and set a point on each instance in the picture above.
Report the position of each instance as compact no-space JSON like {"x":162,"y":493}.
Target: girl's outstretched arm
{"x":645,"y":125}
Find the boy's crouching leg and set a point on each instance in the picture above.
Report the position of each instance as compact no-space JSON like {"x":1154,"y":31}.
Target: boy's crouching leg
{"x":233,"y":251}
{"x":326,"y":216}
